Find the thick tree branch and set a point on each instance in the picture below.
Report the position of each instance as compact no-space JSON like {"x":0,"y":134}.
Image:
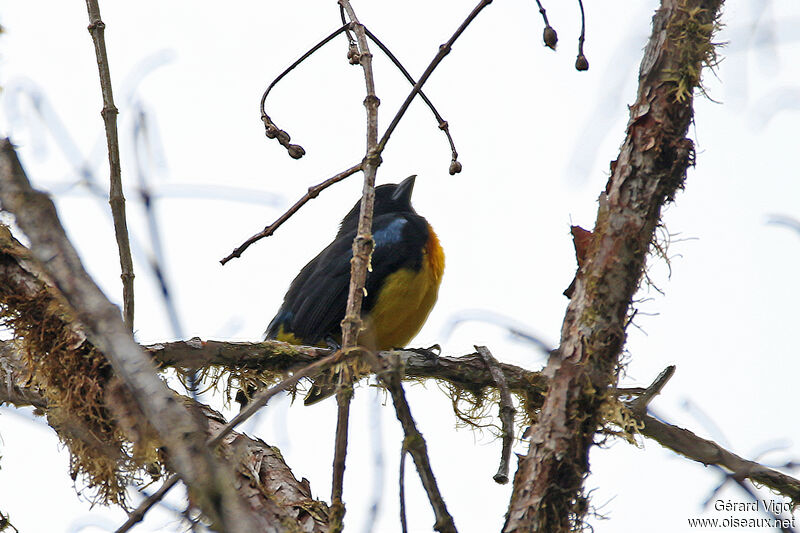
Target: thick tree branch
{"x":548,"y":486}
{"x":277,"y":500}
{"x":211,"y":485}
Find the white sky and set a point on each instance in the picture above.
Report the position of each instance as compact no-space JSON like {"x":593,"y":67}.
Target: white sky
{"x":535,"y":138}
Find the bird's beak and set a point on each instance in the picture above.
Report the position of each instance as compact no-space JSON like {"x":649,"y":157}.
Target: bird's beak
{"x":404,"y":190}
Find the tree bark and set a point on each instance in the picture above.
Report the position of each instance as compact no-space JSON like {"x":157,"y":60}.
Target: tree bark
{"x":548,"y":487}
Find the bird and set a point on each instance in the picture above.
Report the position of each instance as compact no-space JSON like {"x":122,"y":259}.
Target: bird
{"x":402,"y":284}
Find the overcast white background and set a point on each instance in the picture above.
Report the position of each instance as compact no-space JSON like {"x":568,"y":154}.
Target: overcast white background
{"x":535,"y":138}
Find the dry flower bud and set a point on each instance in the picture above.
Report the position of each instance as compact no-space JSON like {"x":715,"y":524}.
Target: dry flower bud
{"x":550,"y":37}
{"x":296,"y":151}
{"x":582,"y":63}
{"x":352,"y":55}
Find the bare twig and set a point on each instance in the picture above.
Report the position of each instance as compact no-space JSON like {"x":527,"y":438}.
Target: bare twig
{"x":272,"y":131}
{"x":455,"y":166}
{"x":639,"y":405}
{"x":137,"y":515}
{"x":115,"y":197}
{"x":312,"y":193}
{"x":443,"y":51}
{"x":257,"y":402}
{"x":403,"y":521}
{"x":581,"y":63}
{"x":414,"y":443}
{"x":549,"y":35}
{"x":344,"y":394}
{"x":704,"y":451}
{"x":507,"y":412}
{"x":36,"y":216}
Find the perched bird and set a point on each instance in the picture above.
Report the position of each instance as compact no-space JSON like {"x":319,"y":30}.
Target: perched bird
{"x":401,"y":287}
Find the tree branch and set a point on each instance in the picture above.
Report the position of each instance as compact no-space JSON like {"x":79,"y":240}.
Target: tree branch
{"x":35,"y":214}
{"x":548,"y":486}
{"x":115,"y":197}
{"x":507,"y":412}
{"x":414,"y":444}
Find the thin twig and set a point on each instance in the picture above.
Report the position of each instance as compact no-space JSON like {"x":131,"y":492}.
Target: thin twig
{"x":403,"y":522}
{"x":443,"y":51}
{"x":255,"y":403}
{"x":137,"y":515}
{"x":507,"y":413}
{"x":455,"y":167}
{"x":581,"y":63}
{"x":639,"y":405}
{"x":549,"y":36}
{"x":391,"y":377}
{"x":344,"y":394}
{"x":272,"y":131}
{"x":115,"y":197}
{"x":312,"y":193}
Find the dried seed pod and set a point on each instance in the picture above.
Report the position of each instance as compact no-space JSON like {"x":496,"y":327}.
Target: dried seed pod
{"x":582,"y":63}
{"x":455,"y":168}
{"x":296,"y":151}
{"x":550,"y":37}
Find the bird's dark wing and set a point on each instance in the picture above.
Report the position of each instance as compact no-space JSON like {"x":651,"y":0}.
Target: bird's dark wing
{"x":315,"y":303}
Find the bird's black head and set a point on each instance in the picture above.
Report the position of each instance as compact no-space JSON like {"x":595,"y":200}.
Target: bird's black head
{"x":389,"y":198}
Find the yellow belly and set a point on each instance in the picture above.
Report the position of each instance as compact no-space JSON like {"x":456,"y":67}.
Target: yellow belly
{"x":405,"y":301}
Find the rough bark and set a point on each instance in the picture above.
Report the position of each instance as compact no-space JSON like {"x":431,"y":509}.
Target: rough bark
{"x":548,"y":487}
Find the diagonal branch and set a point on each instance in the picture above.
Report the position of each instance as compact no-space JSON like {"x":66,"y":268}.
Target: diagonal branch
{"x":414,"y":444}
{"x":707,"y":452}
{"x":115,"y":196}
{"x":651,"y":167}
{"x":312,"y":193}
{"x":440,"y":55}
{"x":36,"y":216}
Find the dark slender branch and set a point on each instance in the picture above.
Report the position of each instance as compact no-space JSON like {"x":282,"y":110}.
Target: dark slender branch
{"x":344,"y":394}
{"x":507,"y":412}
{"x":704,"y":451}
{"x":455,"y":166}
{"x":115,"y":198}
{"x":256,"y":403}
{"x":414,"y":443}
{"x":272,"y":131}
{"x":137,"y":515}
{"x":36,"y":216}
{"x":312,"y":193}
{"x":261,"y":399}
{"x":403,"y":521}
{"x":639,"y":405}
{"x":443,"y":51}
{"x":549,"y":36}
{"x":581,"y":63}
